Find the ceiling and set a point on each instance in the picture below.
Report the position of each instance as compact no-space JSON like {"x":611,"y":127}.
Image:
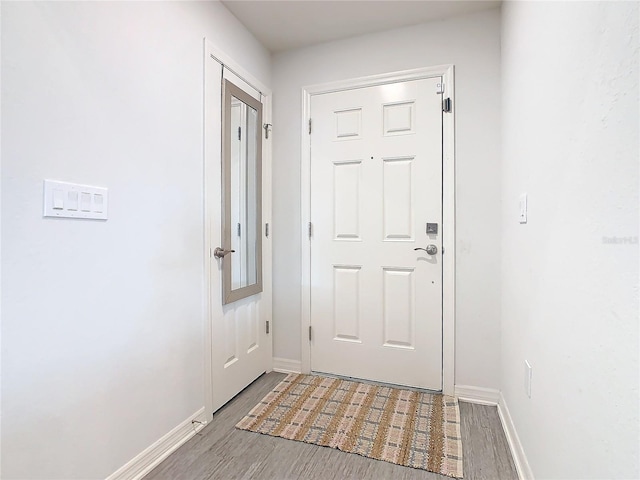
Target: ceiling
{"x":286,"y":24}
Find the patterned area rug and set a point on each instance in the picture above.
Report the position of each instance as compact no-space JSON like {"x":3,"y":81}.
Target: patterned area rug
{"x":405,"y":427}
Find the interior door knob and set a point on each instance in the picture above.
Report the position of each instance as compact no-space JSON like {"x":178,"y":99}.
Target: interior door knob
{"x":221,"y":252}
{"x":431,"y":249}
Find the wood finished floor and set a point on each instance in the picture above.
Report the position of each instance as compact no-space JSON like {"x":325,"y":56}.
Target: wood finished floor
{"x":221,"y":452}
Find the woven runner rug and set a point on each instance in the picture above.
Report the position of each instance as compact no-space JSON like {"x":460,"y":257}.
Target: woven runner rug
{"x":405,"y":427}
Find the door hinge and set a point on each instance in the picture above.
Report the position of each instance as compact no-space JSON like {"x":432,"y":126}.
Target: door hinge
{"x":440,"y":88}
{"x":266,"y":230}
{"x":239,"y":133}
{"x":266,"y":127}
{"x":267,"y":323}
{"x":309,"y":126}
{"x":310,"y":226}
{"x":309,"y":332}
{"x":238,"y":229}
{"x":446,"y":105}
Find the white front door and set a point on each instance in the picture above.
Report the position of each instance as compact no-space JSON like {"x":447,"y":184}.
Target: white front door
{"x":376,"y":181}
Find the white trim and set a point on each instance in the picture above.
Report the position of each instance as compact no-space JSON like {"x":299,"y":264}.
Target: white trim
{"x":153,"y":455}
{"x":305,"y":216}
{"x":448,"y":236}
{"x":222,"y":57}
{"x":211,"y":155}
{"x":266,"y":304}
{"x":207,"y":112}
{"x":383,"y":79}
{"x":448,"y":208}
{"x":517,"y":451}
{"x":286,"y":365}
{"x":490,"y":396}
{"x":479,"y":395}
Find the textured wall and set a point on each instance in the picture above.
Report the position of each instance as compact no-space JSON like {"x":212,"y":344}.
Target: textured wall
{"x":570,"y":296}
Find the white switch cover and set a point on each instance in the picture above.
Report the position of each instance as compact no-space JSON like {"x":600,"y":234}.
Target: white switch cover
{"x":523,"y":208}
{"x":85,"y":201}
{"x":527,"y":378}
{"x":58,"y":199}
{"x":70,"y":200}
{"x":98,"y":202}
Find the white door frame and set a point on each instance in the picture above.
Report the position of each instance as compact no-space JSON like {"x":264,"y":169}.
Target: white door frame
{"x":448,"y":207}
{"x":212,"y":155}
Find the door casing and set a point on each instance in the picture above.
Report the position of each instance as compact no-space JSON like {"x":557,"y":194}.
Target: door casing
{"x":448,"y":206}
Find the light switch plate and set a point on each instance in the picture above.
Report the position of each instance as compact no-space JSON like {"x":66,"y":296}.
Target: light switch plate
{"x":522,"y":217}
{"x":527,"y":378}
{"x":71,"y":200}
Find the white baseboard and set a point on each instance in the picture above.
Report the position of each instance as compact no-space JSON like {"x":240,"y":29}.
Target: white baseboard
{"x":285,"y":365}
{"x":149,"y":458}
{"x":483,"y":396}
{"x":517,"y":452}
{"x":489,"y":396}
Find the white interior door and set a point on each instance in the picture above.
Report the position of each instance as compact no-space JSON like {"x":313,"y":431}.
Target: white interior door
{"x":240,"y":343}
{"x":376,"y":181}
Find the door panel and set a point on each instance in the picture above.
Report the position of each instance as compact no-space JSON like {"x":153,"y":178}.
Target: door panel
{"x":376,"y":170}
{"x":346,"y":200}
{"x":241,"y":349}
{"x":397,"y":198}
{"x":346,"y":297}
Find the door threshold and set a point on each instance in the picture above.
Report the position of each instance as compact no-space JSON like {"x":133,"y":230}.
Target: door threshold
{"x":375,"y":382}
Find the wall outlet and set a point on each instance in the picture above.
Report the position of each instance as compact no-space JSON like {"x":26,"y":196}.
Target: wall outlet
{"x":527,"y":378}
{"x":522,"y":216}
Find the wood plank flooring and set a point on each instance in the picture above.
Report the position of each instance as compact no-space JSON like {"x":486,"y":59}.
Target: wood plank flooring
{"x":220,"y":452}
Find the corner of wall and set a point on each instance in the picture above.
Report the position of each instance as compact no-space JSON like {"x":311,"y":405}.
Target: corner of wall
{"x":517,"y":450}
{"x":286,"y":365}
{"x":152,"y":456}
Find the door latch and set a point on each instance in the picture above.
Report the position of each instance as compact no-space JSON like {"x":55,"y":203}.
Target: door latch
{"x":431,"y":249}
{"x":221,"y":252}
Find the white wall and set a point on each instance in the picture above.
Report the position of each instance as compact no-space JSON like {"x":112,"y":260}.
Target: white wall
{"x":472,"y":43}
{"x":569,"y":299}
{"x":102,"y":333}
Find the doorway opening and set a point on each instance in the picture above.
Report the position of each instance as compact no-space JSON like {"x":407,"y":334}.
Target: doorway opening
{"x":377,"y":183}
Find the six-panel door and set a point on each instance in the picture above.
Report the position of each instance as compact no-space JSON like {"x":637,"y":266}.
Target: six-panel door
{"x":376,"y":170}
